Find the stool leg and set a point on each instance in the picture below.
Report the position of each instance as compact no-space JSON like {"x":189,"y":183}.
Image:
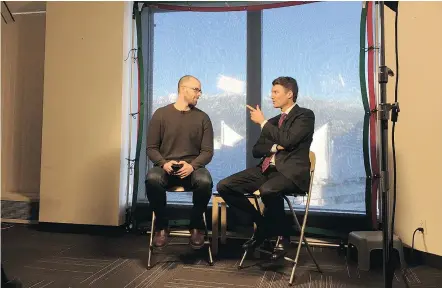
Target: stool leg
{"x":215,"y":230}
{"x":348,"y":252}
{"x":152,"y":231}
{"x":207,"y":240}
{"x":400,"y":250}
{"x":363,"y":259}
{"x":223,"y":222}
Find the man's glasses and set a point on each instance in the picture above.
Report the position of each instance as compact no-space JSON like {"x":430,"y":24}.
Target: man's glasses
{"x":197,"y":90}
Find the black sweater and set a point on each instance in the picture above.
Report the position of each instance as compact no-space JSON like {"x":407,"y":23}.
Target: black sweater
{"x":180,"y":135}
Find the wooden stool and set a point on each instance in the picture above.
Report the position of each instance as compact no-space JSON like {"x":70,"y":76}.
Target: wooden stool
{"x":216,"y":201}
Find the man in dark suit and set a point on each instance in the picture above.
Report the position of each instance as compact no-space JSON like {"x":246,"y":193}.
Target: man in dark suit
{"x":284,"y":146}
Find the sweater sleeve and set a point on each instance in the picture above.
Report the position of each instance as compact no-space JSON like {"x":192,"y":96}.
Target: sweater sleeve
{"x":154,"y":139}
{"x":206,"y":152}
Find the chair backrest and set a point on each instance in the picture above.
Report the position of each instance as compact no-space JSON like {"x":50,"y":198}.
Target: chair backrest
{"x":312,"y":157}
{"x":176,"y":189}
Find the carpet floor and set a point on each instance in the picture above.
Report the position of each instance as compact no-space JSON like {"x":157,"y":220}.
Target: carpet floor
{"x":65,"y":259}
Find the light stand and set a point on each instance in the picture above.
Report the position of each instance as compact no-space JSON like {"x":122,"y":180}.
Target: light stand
{"x":384,"y":112}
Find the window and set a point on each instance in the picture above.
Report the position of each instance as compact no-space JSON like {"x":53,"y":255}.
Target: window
{"x":318,"y":45}
{"x":212,"y":47}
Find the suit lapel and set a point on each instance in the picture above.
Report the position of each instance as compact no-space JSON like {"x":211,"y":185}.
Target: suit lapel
{"x":293,"y":113}
{"x":274,"y":120}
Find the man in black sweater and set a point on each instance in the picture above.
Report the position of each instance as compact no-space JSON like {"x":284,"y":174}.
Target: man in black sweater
{"x":284,"y":146}
{"x":180,"y":134}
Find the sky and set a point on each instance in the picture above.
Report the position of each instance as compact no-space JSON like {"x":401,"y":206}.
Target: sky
{"x":317,"y":44}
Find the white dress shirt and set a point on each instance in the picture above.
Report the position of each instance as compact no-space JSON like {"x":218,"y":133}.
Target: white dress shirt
{"x":273,"y":149}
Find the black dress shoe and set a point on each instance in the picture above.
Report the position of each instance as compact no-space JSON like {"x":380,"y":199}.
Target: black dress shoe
{"x":160,"y":238}
{"x":196,"y":239}
{"x":281,"y":249}
{"x":250,"y":244}
{"x":257,"y":239}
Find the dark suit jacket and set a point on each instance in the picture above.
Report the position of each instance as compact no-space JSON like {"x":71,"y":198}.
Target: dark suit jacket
{"x":296,"y":136}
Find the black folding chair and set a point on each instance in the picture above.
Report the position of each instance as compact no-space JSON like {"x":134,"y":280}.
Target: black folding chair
{"x":302,"y":238}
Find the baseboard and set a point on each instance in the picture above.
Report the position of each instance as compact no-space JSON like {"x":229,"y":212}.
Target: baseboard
{"x":416,"y":257}
{"x":19,"y":221}
{"x":101,"y":230}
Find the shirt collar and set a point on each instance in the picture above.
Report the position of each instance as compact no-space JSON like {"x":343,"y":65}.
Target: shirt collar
{"x":289,"y":109}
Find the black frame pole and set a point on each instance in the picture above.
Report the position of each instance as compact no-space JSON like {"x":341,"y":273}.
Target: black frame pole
{"x":384,"y":111}
{"x":383,"y":79}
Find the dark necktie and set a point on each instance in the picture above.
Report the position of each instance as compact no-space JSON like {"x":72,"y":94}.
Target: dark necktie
{"x":266,"y":162}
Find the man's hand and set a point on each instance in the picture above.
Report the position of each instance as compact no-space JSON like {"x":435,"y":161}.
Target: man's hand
{"x":279,"y":148}
{"x":168,"y":167}
{"x":256,"y":115}
{"x":185,"y":171}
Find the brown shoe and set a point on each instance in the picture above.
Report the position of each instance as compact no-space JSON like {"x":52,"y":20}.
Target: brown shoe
{"x":196,"y":239}
{"x":160,"y":238}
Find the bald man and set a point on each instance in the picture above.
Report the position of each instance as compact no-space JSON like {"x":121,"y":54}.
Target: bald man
{"x":180,"y":145}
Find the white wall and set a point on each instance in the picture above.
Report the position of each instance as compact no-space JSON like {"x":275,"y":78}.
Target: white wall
{"x":418,"y":133}
{"x":86,"y":91}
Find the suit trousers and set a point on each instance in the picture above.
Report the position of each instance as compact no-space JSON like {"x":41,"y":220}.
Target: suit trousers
{"x":271,"y":184}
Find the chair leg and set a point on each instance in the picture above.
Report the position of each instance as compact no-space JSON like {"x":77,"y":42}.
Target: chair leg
{"x":277,"y":241}
{"x":245,"y":252}
{"x":307,"y":245}
{"x":207,"y":242}
{"x":301,"y":238}
{"x":152,"y":231}
{"x":242,"y":259}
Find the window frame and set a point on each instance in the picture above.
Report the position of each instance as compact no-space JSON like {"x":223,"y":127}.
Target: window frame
{"x":344,"y":221}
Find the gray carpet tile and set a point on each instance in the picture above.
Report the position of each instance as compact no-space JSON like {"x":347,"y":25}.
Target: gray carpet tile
{"x":55,"y":259}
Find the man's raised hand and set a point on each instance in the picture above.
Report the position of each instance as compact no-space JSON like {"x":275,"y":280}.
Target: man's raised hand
{"x":256,"y":114}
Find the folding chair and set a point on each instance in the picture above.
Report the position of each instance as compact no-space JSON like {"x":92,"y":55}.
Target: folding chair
{"x":152,"y":231}
{"x":301,"y":228}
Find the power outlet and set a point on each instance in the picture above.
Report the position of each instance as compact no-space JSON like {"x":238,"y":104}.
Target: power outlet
{"x":423,"y":224}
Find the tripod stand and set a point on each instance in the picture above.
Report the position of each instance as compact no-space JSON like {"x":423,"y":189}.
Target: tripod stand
{"x":384,"y":109}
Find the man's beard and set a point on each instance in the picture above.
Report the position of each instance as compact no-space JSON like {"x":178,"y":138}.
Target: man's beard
{"x":192,"y":105}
